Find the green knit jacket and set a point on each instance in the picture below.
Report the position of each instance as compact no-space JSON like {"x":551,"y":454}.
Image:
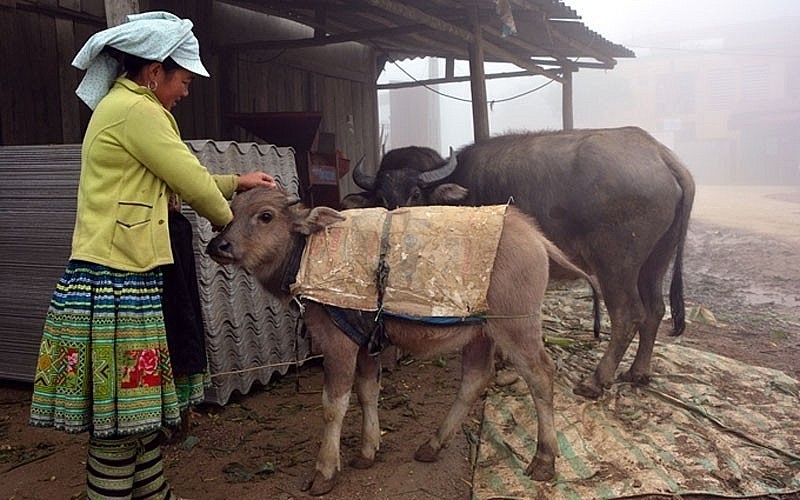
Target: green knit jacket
{"x":133,"y":158}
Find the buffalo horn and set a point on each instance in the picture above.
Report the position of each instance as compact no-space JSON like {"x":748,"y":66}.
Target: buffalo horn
{"x":436,"y":175}
{"x":361,"y":178}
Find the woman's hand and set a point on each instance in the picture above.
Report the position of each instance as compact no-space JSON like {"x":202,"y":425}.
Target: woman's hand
{"x":250,"y":180}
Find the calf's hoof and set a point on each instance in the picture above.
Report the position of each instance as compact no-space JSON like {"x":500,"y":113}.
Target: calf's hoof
{"x":638,"y":379}
{"x":319,"y":485}
{"x":361,"y":462}
{"x":426,"y":453}
{"x":588,"y":388}
{"x":505,"y":377}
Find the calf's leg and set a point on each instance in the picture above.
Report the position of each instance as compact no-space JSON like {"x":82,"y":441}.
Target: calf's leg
{"x":477,"y":364}
{"x":523,"y":343}
{"x":339,"y":366}
{"x":368,"y":370}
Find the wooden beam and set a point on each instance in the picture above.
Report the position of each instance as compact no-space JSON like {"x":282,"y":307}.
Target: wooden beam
{"x":480,"y":112}
{"x":453,"y":79}
{"x":116,"y":10}
{"x":566,"y":102}
{"x":580,"y":47}
{"x":449,"y":67}
{"x":469,"y":37}
{"x":524,"y":45}
{"x":70,"y":107}
{"x":300,"y":43}
{"x":422,"y":17}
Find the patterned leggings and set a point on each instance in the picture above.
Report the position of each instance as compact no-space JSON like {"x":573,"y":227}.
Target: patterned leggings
{"x":127,"y":468}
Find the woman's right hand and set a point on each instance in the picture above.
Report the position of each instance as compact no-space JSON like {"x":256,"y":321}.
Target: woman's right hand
{"x":253,"y":179}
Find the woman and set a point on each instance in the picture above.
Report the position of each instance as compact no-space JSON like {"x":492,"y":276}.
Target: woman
{"x":104,"y":366}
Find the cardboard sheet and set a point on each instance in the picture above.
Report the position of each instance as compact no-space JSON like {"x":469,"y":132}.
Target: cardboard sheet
{"x":440,"y":260}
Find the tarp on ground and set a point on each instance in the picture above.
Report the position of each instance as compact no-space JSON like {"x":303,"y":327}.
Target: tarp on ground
{"x":705,"y":425}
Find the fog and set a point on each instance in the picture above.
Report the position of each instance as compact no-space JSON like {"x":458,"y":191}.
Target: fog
{"x":716,"y":80}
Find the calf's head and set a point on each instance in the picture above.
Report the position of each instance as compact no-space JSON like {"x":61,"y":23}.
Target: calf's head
{"x":267,"y":226}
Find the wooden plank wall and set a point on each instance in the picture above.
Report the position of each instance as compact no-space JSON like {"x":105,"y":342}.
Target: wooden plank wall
{"x":38,"y":103}
{"x":279,"y":85}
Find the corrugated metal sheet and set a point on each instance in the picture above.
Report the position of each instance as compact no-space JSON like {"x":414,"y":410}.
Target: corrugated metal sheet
{"x":38,"y":188}
{"x":250,"y":335}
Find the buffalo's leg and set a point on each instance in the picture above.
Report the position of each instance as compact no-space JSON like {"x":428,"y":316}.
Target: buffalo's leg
{"x":639,"y":373}
{"x":368,"y":389}
{"x":477,"y":366}
{"x":653,"y":298}
{"x":530,"y":358}
{"x":627,"y":314}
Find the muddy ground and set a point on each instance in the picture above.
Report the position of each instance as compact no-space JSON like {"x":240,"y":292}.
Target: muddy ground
{"x":742,"y":274}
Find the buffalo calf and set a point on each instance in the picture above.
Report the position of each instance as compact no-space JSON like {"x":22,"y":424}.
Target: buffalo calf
{"x":269,"y":227}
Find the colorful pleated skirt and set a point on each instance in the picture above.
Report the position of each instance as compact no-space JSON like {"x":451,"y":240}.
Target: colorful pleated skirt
{"x":103,"y":364}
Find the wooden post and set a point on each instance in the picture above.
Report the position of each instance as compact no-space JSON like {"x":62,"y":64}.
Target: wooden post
{"x":116,"y":10}
{"x":566,"y":101}
{"x":480,"y":113}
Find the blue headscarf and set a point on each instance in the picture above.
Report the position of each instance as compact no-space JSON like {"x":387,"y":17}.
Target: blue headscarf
{"x":154,"y":36}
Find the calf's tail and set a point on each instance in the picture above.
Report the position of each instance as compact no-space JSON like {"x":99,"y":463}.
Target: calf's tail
{"x":555,"y":253}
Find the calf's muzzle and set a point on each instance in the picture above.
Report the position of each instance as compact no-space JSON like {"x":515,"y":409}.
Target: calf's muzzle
{"x":220,"y":249}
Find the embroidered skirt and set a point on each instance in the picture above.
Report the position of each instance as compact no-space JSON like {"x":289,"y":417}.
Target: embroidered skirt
{"x":103,"y":363}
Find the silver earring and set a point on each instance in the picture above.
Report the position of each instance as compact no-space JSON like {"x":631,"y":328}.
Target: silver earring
{"x":152,"y":85}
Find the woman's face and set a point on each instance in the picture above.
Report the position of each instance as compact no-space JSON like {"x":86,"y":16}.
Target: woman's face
{"x":173,"y":86}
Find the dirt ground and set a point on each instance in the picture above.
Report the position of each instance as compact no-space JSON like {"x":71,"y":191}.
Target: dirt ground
{"x":742,"y":286}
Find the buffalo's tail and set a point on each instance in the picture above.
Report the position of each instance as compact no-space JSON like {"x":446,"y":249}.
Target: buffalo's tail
{"x":682,"y":213}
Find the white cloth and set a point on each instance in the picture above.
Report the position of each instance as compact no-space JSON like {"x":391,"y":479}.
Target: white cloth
{"x":150,"y":35}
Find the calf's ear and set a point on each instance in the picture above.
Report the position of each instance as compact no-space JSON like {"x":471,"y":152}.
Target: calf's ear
{"x":318,"y":218}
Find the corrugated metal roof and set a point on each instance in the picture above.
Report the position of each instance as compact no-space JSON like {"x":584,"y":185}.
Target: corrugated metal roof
{"x":250,"y":335}
{"x":548,"y":32}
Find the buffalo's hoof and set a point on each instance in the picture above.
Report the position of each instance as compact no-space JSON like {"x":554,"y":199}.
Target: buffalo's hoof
{"x":588,"y":389}
{"x":635,"y":379}
{"x":360,"y":462}
{"x":319,"y":485}
{"x":426,"y":453}
{"x":541,"y":470}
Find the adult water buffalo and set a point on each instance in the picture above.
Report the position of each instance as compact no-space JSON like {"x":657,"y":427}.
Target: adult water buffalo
{"x":616,"y":201}
{"x":265,"y":237}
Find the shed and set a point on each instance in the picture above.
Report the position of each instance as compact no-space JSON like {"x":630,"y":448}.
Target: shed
{"x":319,"y":58}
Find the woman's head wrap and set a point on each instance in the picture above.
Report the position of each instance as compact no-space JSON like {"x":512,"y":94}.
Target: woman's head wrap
{"x":153,"y":36}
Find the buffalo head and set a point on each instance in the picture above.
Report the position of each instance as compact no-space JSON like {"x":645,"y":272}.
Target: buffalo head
{"x":410,"y":176}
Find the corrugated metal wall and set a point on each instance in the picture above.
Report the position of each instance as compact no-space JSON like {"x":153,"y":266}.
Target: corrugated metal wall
{"x":248,"y":331}
{"x":37,"y":213}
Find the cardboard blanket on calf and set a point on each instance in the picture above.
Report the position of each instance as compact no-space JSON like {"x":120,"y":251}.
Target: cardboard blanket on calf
{"x":439,"y":258}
